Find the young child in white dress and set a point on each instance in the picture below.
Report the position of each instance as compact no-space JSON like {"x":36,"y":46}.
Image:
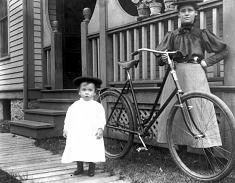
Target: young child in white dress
{"x":83,"y":127}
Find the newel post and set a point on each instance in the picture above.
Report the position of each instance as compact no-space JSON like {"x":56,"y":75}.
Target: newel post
{"x":103,"y":41}
{"x":86,"y":68}
{"x":229,"y":63}
{"x":56,"y":57}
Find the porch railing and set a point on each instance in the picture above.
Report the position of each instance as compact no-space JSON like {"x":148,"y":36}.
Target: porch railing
{"x":148,"y":33}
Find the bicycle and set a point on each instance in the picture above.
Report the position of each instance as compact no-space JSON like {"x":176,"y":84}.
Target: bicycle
{"x":124,"y":122}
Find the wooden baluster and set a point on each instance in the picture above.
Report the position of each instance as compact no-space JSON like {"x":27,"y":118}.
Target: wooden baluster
{"x":128,"y":47}
{"x":115,"y":57}
{"x":160,"y":37}
{"x":136,"y":46}
{"x":94,"y":58}
{"x":122,"y":54}
{"x":202,"y":20}
{"x":152,"y":56}
{"x":179,"y":23}
{"x":144,"y":54}
{"x":203,"y":23}
{"x":215,"y":29}
{"x":98,"y":56}
{"x":170,"y":24}
{"x":48,"y":67}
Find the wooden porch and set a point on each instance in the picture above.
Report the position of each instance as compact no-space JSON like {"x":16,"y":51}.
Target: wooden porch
{"x":107,"y":40}
{"x":114,"y":41}
{"x":30,"y":164}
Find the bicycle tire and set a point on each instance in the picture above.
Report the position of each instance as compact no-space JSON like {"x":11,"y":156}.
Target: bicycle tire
{"x":117,"y":142}
{"x":201,"y":160}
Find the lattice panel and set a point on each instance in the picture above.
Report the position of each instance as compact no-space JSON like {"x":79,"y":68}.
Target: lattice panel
{"x":153,"y":130}
{"x":122,"y":118}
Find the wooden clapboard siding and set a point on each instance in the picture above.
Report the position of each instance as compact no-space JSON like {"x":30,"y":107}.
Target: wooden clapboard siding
{"x":10,"y":76}
{"x":37,"y":38}
{"x":5,"y":66}
{"x":11,"y":70}
{"x":52,"y":10}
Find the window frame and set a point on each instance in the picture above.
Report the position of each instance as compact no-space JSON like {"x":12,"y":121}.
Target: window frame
{"x":5,"y":56}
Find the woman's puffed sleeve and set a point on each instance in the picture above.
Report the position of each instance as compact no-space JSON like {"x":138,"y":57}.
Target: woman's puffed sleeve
{"x":213,"y":44}
{"x":165,"y":44}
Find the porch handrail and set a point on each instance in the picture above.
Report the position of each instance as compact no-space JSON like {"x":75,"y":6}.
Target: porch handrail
{"x":148,"y":33}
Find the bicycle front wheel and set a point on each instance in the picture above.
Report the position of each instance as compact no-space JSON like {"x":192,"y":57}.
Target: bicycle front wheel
{"x":120,"y":123}
{"x":201,"y":136}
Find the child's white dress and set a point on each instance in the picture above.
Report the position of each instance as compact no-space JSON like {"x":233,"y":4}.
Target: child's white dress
{"x":82,"y":121}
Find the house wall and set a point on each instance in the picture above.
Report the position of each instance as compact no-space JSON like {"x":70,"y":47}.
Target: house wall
{"x":11,"y":67}
{"x":37,"y":39}
{"x":25,"y":46}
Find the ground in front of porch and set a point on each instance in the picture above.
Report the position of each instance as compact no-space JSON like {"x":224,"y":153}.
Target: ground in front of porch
{"x":22,"y":162}
{"x":155,"y":165}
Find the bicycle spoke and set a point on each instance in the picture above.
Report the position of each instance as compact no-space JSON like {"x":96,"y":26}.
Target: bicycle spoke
{"x":209,"y":156}
{"x":118,"y":136}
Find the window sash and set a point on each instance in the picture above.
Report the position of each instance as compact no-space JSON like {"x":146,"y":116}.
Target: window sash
{"x":3,"y":28}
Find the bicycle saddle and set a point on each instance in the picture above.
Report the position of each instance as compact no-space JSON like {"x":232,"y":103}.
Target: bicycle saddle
{"x":128,"y":64}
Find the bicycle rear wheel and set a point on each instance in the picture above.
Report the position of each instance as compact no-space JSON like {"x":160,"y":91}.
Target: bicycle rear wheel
{"x":206,"y":154}
{"x":120,"y":122}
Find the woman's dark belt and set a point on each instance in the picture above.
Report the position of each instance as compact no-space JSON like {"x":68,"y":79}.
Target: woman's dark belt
{"x":194,"y":60}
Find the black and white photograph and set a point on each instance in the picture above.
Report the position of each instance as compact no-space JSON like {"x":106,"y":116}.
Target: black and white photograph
{"x":117,"y":91}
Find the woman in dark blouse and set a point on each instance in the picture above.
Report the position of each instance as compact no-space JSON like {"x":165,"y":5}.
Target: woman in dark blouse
{"x":192,"y":42}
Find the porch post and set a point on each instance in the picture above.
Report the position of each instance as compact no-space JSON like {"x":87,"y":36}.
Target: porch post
{"x":86,"y":65}
{"x":229,"y":63}
{"x":103,"y":41}
{"x":56,"y":57}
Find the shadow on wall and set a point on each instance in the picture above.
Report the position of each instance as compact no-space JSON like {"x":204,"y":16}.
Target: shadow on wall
{"x":129,"y":7}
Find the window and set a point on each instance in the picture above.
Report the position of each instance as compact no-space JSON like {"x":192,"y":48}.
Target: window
{"x":3,"y":28}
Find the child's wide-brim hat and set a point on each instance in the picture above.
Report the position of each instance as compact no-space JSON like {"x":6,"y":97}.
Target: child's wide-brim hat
{"x":77,"y":81}
{"x":182,"y":2}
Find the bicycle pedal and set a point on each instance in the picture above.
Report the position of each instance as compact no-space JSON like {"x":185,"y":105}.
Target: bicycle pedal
{"x":142,"y":149}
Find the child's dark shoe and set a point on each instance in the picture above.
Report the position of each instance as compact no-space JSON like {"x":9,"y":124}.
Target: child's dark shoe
{"x":78,"y":172}
{"x":91,"y":170}
{"x":80,"y":169}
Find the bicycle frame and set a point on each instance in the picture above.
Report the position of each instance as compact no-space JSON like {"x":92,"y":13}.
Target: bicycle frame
{"x":147,"y":123}
{"x":213,"y":158}
{"x":150,"y":120}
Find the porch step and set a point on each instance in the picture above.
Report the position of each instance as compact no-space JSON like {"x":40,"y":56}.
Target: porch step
{"x":57,"y":104}
{"x":32,"y":124}
{"x":45,"y":115}
{"x":60,"y":94}
{"x":51,"y":111}
{"x":40,"y":123}
{"x":46,"y":112}
{"x":32,"y":129}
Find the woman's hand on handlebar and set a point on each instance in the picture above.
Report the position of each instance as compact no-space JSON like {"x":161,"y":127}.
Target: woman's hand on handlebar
{"x":163,"y":59}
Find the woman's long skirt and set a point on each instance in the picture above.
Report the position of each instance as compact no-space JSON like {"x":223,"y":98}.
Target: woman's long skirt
{"x":191,"y":78}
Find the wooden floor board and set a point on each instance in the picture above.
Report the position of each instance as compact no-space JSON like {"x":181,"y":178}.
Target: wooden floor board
{"x":21,"y":158}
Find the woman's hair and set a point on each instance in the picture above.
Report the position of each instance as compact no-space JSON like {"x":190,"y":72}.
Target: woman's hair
{"x":194,"y":5}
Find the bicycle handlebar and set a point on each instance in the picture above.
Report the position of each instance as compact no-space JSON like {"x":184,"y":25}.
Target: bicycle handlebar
{"x":153,"y":51}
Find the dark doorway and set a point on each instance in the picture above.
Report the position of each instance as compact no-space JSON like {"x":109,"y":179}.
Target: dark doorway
{"x":71,"y":19}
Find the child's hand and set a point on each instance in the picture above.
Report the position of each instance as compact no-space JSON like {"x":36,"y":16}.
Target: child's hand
{"x":65,"y":134}
{"x":99,"y":133}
